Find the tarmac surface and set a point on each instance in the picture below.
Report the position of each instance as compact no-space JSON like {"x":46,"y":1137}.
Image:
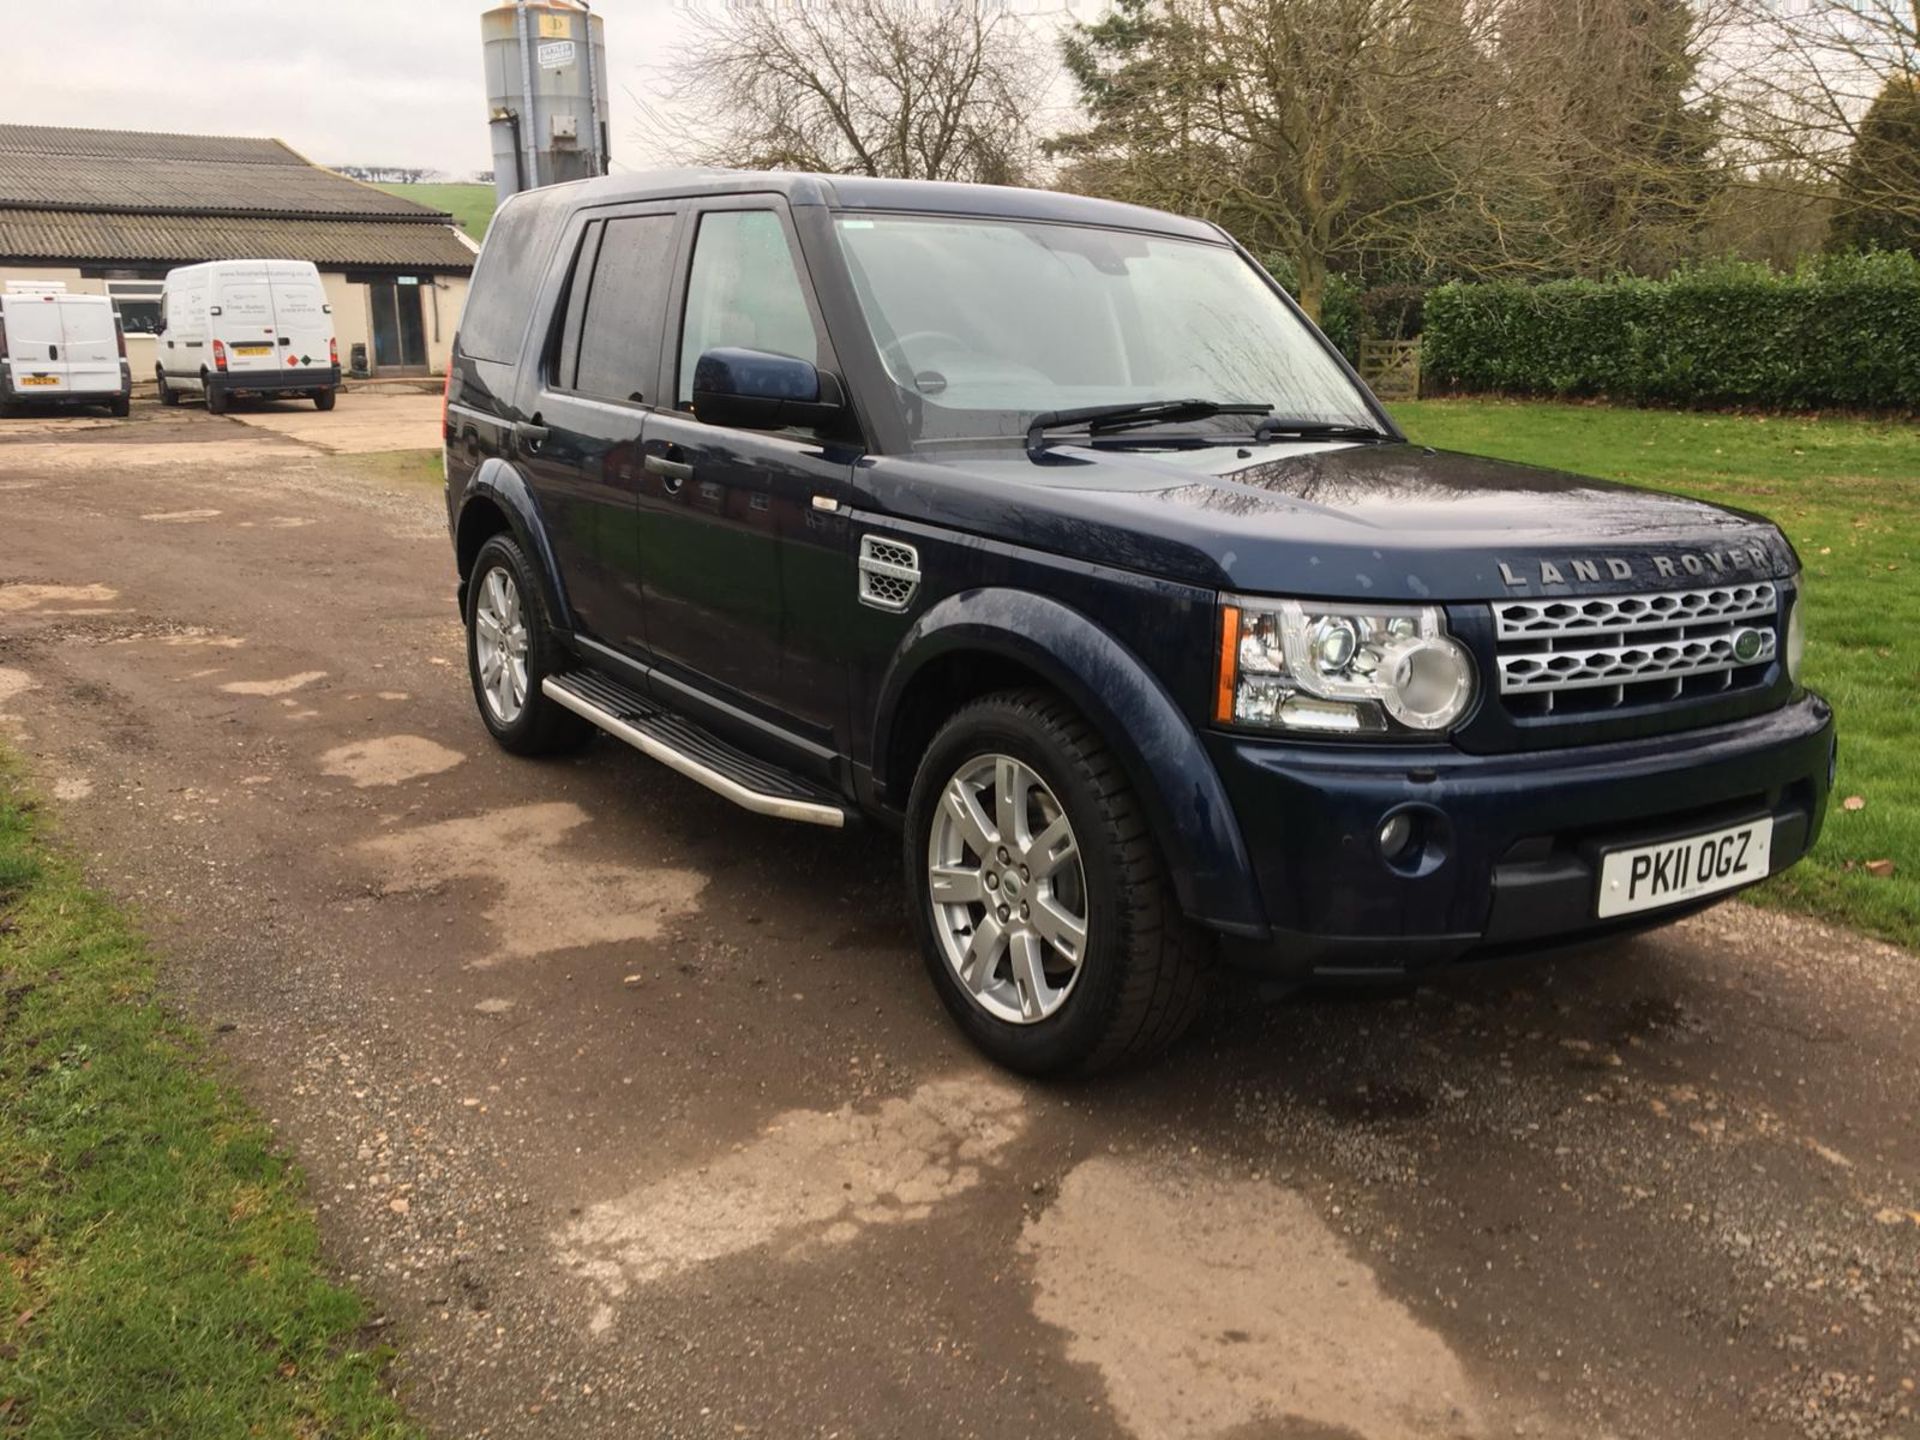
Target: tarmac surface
{"x":635,"y":1115}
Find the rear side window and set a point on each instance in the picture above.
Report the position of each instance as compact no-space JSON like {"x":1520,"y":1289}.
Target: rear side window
{"x":619,"y":349}
{"x":744,"y":291}
{"x":506,"y":281}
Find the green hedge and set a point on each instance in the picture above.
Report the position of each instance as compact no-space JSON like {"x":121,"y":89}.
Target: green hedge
{"x":1843,"y":331}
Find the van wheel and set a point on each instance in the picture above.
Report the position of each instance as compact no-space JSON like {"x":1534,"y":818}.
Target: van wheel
{"x":168,"y":395}
{"x":323,"y":399}
{"x":510,"y":650}
{"x":218,"y":401}
{"x":121,"y":408}
{"x":1040,"y":901}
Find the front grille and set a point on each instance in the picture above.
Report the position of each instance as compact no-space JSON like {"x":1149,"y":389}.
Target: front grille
{"x":1587,"y":655}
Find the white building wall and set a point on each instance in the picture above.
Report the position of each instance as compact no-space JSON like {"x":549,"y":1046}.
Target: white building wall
{"x":352,"y":313}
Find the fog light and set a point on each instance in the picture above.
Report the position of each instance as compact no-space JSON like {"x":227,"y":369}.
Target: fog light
{"x":1395,"y":835}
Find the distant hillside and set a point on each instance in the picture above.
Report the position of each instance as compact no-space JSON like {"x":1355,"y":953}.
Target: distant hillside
{"x":470,"y":205}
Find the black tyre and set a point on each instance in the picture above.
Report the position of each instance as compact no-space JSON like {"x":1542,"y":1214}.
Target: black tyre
{"x":168,"y":395}
{"x":323,"y":399}
{"x":121,"y":408}
{"x":510,"y":650}
{"x":1039,"y":898}
{"x":218,"y":401}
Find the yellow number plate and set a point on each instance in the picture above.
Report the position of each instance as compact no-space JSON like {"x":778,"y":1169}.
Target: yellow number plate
{"x":251,"y":349}
{"x":40,"y":380}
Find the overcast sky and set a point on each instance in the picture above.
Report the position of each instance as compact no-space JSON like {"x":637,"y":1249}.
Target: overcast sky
{"x":353,"y":82}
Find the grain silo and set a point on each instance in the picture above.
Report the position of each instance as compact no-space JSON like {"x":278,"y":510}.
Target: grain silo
{"x":546,"y":93}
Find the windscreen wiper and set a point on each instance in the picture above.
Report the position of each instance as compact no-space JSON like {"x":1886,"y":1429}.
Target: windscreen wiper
{"x":1277,"y":425}
{"x":1105,"y":419}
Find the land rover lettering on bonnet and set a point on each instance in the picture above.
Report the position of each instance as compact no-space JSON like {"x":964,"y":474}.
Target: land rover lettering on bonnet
{"x":1047,"y":532}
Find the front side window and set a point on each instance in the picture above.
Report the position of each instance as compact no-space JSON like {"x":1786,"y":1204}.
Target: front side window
{"x":137,"y":303}
{"x":745,"y":291}
{"x":984,"y":324}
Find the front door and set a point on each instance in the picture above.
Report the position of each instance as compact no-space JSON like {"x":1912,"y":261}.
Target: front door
{"x":399,"y":326}
{"x":598,"y":382}
{"x":721,"y":509}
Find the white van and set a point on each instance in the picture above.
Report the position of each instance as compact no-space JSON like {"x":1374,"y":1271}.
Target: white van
{"x":61,"y":349}
{"x":246,"y":327}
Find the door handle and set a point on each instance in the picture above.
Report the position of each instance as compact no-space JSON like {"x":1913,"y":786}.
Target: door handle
{"x":668,"y":469}
{"x":530,"y":433}
{"x":53,"y":352}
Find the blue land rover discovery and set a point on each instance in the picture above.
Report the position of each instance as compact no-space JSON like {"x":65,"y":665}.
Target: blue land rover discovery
{"x":1049,"y":531}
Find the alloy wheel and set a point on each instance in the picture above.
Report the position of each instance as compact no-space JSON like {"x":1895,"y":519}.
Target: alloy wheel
{"x":500,"y":645}
{"x":1008,"y":892}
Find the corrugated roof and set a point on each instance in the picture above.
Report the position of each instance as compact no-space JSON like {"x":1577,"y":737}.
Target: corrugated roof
{"x":112,"y":239}
{"x":46,"y":168}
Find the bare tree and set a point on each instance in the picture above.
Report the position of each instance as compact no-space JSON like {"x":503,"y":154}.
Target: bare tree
{"x":1827,"y":94}
{"x":1320,"y":129}
{"x":923,"y":89}
{"x":1610,"y":115}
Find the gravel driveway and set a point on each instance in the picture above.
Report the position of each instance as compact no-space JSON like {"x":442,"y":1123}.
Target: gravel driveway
{"x":637,"y":1117}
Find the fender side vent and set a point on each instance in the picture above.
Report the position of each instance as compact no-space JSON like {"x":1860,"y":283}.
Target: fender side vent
{"x":889,"y":573}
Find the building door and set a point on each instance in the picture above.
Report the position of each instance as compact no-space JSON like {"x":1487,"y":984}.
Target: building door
{"x":399,"y":327}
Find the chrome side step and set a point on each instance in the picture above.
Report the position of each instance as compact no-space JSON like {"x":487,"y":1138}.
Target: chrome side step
{"x":681,"y":746}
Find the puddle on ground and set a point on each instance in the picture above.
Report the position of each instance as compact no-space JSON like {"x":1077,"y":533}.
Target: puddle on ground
{"x":389,"y":760}
{"x":812,"y":1178}
{"x":18,"y":599}
{"x":546,"y":895}
{"x":1213,"y":1306}
{"x":274,"y":687}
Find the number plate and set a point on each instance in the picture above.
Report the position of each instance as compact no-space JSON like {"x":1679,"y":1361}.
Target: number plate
{"x":1650,"y":876}
{"x":251,"y":349}
{"x":39,"y":379}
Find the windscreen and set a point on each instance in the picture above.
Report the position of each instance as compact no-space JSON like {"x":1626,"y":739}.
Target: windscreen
{"x":983,"y":324}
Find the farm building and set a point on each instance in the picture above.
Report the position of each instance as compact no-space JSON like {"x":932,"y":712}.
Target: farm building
{"x":111,"y":211}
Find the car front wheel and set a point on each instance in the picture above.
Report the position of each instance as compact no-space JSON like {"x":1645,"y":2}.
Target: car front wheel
{"x":1041,"y":903}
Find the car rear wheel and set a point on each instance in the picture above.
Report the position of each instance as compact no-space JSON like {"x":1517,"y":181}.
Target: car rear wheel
{"x":1041,"y":903}
{"x":218,"y":401}
{"x":510,"y":650}
{"x":168,"y":395}
{"x":323,"y":399}
{"x":121,"y":408}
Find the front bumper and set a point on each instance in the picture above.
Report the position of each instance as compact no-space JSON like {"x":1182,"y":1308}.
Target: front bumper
{"x":303,"y":380}
{"x":1512,"y":842}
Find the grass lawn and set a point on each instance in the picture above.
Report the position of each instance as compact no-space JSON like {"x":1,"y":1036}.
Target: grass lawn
{"x":403,"y":469}
{"x":470,"y":205}
{"x":1847,"y":494}
{"x":159,"y":1272}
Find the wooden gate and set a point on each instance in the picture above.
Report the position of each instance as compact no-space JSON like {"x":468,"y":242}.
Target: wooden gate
{"x":1392,"y":368}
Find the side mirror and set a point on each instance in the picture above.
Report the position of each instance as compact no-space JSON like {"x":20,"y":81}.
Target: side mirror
{"x":757,"y":390}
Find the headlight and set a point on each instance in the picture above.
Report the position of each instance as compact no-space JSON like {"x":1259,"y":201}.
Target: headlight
{"x":1796,"y":633}
{"x":1310,"y":666}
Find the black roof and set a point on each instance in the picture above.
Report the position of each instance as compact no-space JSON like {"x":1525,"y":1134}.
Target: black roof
{"x":127,"y":197}
{"x":864,"y":192}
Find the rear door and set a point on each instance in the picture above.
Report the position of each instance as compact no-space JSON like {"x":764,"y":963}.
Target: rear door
{"x":599,"y":379}
{"x":90,"y":345}
{"x":36,"y":361}
{"x":244,"y":326}
{"x":303,"y":329}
